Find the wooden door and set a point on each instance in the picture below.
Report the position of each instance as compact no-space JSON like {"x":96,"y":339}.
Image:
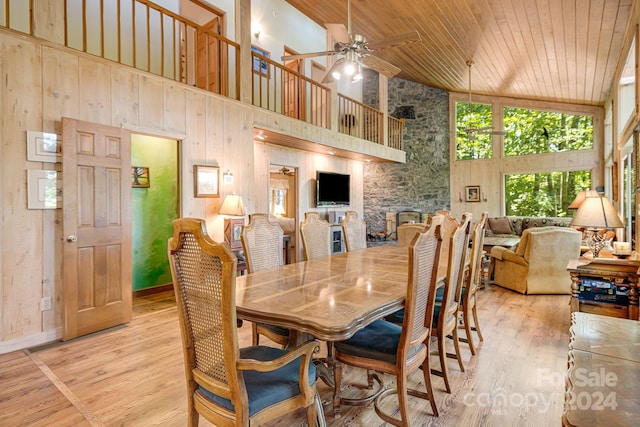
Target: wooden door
{"x":212,"y":68}
{"x":96,"y":173}
{"x":294,"y":89}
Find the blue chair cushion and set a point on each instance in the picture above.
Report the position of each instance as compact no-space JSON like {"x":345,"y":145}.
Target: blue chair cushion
{"x":278,"y":330}
{"x":397,"y":317}
{"x":436,"y":313}
{"x":440,"y":294}
{"x":378,"y":341}
{"x":266,"y":388}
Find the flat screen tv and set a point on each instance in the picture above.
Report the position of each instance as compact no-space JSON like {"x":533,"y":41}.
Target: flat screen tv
{"x":332,"y":189}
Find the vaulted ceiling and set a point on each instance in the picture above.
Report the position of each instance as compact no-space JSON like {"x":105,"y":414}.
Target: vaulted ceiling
{"x":549,"y":50}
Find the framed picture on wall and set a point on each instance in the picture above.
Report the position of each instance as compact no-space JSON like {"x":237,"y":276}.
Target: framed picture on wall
{"x":472,"y":193}
{"x":140,"y":177}
{"x":206,"y":180}
{"x":260,"y":66}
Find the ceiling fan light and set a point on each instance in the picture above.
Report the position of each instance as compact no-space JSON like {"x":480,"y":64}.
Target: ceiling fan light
{"x":357,"y":76}
{"x":350,"y":68}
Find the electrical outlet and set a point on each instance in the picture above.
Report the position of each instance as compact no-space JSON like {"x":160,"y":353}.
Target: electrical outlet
{"x":45,"y":304}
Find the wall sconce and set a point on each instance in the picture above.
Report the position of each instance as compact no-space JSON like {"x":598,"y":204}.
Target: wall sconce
{"x":256,"y":29}
{"x":227,"y":177}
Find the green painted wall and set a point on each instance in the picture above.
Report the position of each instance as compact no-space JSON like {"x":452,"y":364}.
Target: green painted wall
{"x":153,"y":209}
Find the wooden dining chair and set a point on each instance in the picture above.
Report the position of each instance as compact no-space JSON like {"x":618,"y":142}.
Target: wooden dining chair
{"x":445,"y":316}
{"x":468,"y":298}
{"x":397,"y":349}
{"x":406,"y":232}
{"x":354,"y":231}
{"x":316,"y":236}
{"x":410,"y":233}
{"x":262,"y":243}
{"x":226,"y":384}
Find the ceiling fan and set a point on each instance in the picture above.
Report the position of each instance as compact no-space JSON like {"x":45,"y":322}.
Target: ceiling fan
{"x":471,"y":131}
{"x":355,"y":51}
{"x":286,"y":171}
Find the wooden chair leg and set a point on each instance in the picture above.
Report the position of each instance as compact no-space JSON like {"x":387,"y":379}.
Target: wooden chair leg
{"x":403,"y":399}
{"x":255,"y":337}
{"x":467,"y":331}
{"x":315,"y":413}
{"x":426,"y":372}
{"x":476,"y":324}
{"x":456,"y":346}
{"x":442,"y":355}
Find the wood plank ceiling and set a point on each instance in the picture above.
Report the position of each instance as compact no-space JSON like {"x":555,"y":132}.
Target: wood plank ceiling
{"x":547,"y":50}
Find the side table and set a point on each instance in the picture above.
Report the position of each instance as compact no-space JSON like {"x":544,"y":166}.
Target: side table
{"x":605,"y":286}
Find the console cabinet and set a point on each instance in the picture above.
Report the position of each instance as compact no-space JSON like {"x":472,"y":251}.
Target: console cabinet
{"x":605,"y":286}
{"x":337,"y":240}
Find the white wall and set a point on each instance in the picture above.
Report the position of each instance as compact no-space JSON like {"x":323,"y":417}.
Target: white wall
{"x":283,"y":25}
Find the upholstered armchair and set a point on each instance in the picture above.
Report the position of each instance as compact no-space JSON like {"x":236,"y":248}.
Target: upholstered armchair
{"x":539,"y":263}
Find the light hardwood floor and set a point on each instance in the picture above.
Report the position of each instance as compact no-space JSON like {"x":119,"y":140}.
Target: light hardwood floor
{"x":132,"y":375}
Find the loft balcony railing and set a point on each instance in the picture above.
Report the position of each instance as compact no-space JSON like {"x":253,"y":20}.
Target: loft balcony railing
{"x":396,"y":132}
{"x":283,"y":90}
{"x":360,"y":120}
{"x":151,"y":38}
{"x":143,"y":35}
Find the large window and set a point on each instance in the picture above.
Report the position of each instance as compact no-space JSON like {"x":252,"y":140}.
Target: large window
{"x":537,"y":132}
{"x":627,"y":89}
{"x":474,"y":125}
{"x":544,"y":194}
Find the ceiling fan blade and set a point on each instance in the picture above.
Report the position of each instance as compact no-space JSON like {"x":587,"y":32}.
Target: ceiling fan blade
{"x":395,"y":40}
{"x":377,"y":64}
{"x":339,"y":33}
{"x":307,"y":55}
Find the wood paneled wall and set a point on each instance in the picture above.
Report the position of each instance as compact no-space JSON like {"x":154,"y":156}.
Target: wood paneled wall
{"x":41,"y":83}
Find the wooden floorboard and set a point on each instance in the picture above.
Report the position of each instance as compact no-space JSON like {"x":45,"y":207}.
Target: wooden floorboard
{"x":133,"y":375}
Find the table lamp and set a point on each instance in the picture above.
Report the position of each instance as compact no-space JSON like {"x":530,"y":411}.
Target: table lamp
{"x":596,"y":212}
{"x":232,"y":206}
{"x":580,"y":198}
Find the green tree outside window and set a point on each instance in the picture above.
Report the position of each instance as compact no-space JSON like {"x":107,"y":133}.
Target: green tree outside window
{"x":472,"y":139}
{"x":536,"y":132}
{"x":544,"y":194}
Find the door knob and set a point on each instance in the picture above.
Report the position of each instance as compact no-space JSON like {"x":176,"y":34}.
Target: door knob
{"x":72,"y":238}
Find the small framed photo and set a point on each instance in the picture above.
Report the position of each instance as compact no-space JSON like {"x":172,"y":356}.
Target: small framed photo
{"x":140,"y":177}
{"x":44,"y":189}
{"x":44,"y":147}
{"x":206,"y":181}
{"x":472,"y":193}
{"x":232,"y":232}
{"x":260,"y":66}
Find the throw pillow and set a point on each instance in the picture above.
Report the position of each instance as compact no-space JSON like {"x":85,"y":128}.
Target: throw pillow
{"x":500,"y":225}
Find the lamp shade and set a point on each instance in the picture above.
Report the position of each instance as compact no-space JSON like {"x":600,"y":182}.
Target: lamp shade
{"x":597,"y":212}
{"x":580,"y":198}
{"x":232,"y":205}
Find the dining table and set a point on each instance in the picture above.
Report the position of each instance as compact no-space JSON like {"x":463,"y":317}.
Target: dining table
{"x":330,"y":298}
